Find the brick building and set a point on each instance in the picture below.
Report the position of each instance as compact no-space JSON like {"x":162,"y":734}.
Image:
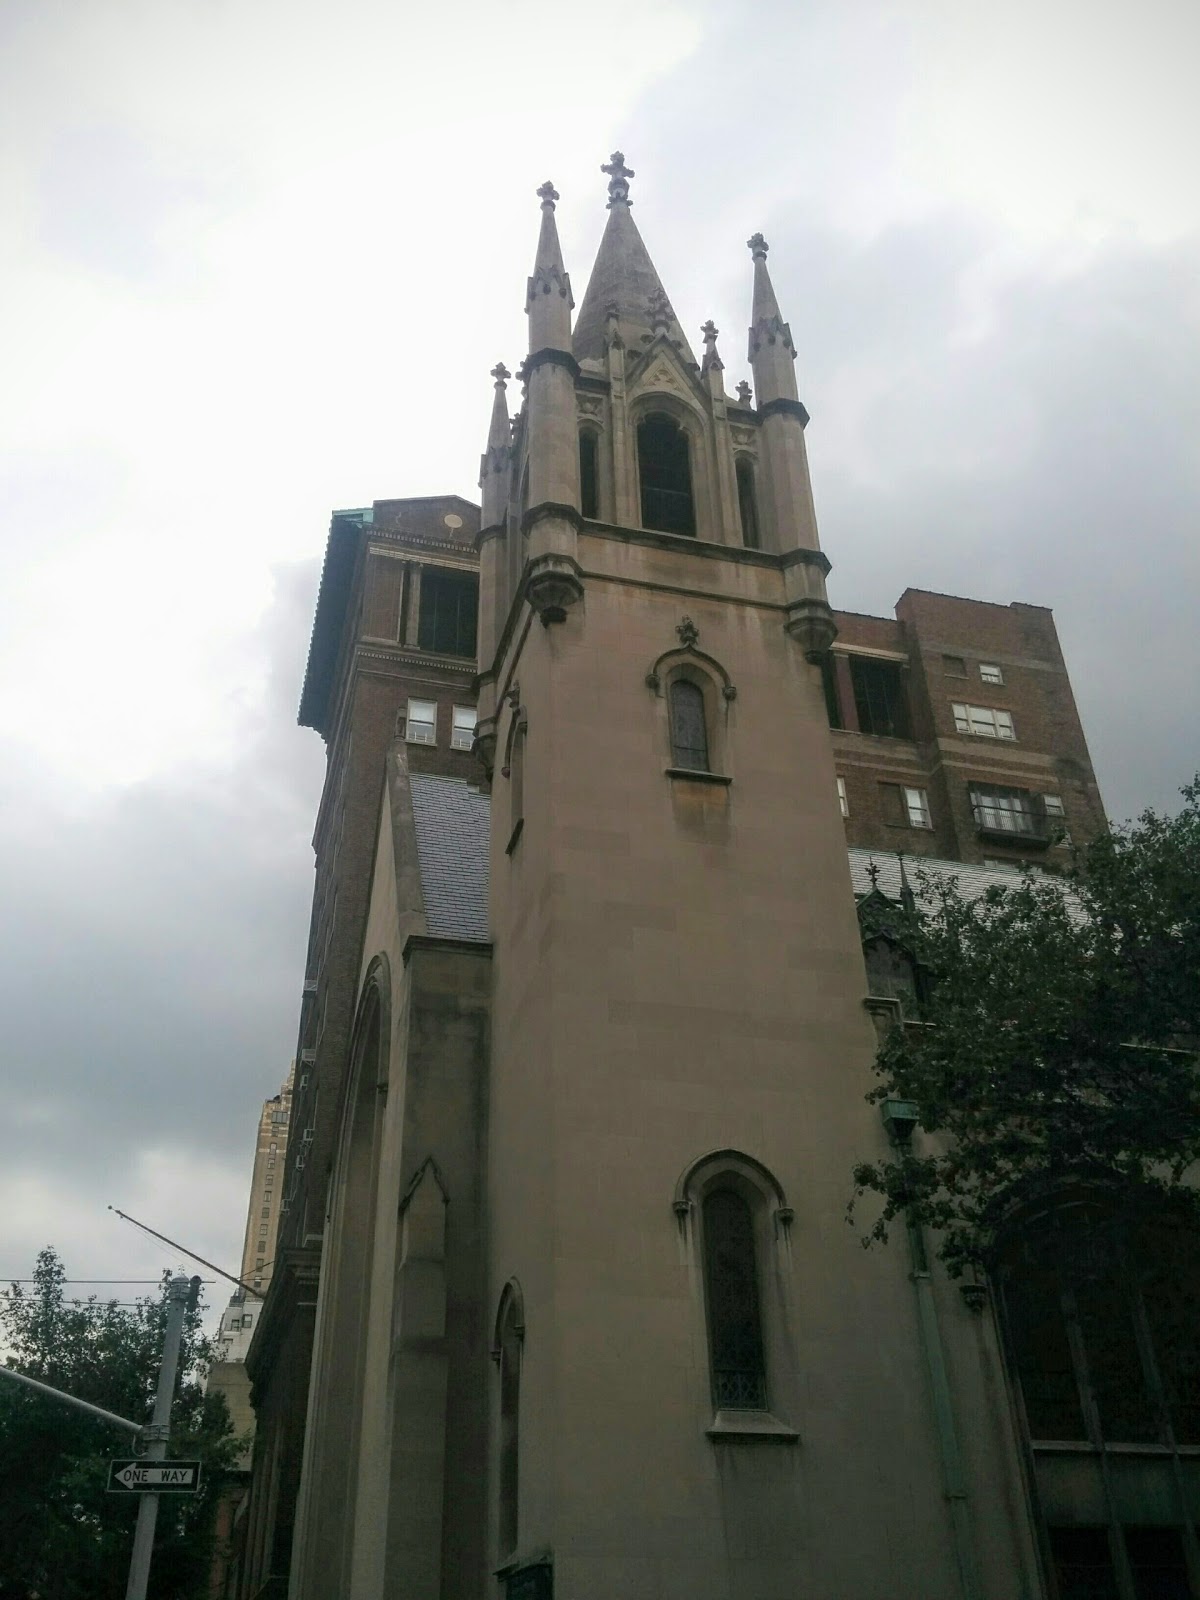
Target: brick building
{"x":564,"y":1301}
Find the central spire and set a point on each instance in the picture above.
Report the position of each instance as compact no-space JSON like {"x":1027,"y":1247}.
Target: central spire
{"x":624,"y":278}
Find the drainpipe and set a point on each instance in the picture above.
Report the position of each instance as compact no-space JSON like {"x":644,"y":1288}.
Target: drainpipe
{"x":900,"y":1119}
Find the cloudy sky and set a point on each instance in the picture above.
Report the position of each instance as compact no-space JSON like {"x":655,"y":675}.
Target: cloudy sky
{"x":257,"y":258}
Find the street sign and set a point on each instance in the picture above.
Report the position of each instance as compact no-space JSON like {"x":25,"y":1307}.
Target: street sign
{"x":140,"y":1476}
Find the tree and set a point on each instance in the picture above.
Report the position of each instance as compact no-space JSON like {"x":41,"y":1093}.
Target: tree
{"x":1059,"y":1043}
{"x":62,"y":1536}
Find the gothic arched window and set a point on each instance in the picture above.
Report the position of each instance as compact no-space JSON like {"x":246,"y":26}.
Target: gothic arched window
{"x":589,"y":473}
{"x":665,"y":475}
{"x":689,"y":729}
{"x":735,"y":1341}
{"x":747,"y":503}
{"x":510,"y":1334}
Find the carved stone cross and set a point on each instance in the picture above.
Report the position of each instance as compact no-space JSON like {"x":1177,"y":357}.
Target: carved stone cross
{"x":618,"y":179}
{"x":501,"y":373}
{"x":548,"y":194}
{"x":688,"y":633}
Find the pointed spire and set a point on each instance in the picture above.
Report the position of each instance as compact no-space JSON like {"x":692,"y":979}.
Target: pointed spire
{"x":494,"y":463}
{"x":623,"y":281}
{"x":907,"y":898}
{"x":771,"y":349}
{"x":712,"y":361}
{"x":548,"y":298}
{"x":618,"y":180}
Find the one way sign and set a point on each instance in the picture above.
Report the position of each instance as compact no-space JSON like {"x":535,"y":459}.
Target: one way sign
{"x":153,"y":1477}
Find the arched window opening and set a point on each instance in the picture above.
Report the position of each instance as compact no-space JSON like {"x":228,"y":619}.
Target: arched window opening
{"x":747,"y":504}
{"x":689,"y":730}
{"x":589,"y":473}
{"x":735,"y":1342}
{"x":665,"y":472}
{"x":510,"y":1333}
{"x":514,"y":771}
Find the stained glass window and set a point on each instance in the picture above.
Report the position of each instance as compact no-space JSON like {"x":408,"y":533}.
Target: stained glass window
{"x":689,"y":735}
{"x":731,"y":1287}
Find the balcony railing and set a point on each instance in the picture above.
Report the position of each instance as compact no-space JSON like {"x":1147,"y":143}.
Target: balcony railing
{"x":1011,"y":818}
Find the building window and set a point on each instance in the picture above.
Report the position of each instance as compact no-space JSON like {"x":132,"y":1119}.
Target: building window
{"x":990,"y":672}
{"x":1056,"y":818}
{"x":265,"y":1212}
{"x":259,"y":1264}
{"x":421,"y":724}
{"x":984,"y":721}
{"x":916,"y":802}
{"x":747,"y":504}
{"x":510,"y":1336}
{"x":462,"y":732}
{"x":449,"y":606}
{"x":879,"y":697}
{"x":901,"y":807}
{"x":735,"y":1343}
{"x":689,"y":732}
{"x":954,"y":666}
{"x":270,"y":1179}
{"x":247,"y":1320}
{"x":589,"y":474}
{"x":665,"y":475}
{"x":843,"y":802}
{"x":262,"y":1230}
{"x":1008,"y":811}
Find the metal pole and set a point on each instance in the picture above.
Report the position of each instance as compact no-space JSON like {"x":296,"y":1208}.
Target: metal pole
{"x":70,"y":1400}
{"x":178,"y":1292}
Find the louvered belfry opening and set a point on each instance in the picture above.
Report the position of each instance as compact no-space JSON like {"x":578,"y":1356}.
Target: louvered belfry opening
{"x":731,"y":1289}
{"x":665,"y":474}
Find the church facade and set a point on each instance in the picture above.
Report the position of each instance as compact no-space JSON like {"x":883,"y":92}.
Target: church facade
{"x":565,"y":1302}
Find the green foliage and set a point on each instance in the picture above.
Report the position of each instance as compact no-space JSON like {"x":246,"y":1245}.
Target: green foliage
{"x":1060,"y":1041}
{"x":62,"y":1536}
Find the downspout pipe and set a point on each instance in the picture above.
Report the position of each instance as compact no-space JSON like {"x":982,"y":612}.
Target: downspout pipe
{"x":900,"y":1119}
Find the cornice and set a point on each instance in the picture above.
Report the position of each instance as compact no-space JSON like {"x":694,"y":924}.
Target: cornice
{"x":548,"y":356}
{"x":551,"y":508}
{"x":782,"y":406}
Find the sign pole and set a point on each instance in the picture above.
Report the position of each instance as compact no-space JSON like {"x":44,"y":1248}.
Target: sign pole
{"x":178,"y":1293}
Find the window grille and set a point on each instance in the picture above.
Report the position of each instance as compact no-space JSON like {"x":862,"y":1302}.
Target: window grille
{"x":879,"y":697}
{"x":462,"y":732}
{"x":421,"y":726}
{"x":689,"y":733}
{"x":734,"y":1320}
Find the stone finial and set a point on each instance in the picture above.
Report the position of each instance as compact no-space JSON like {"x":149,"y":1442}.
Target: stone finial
{"x":757,"y":246}
{"x":873,"y":872}
{"x":618,"y":179}
{"x":712,"y":360}
{"x":688,"y":633}
{"x":501,"y":374}
{"x":548,"y":194}
{"x":744,"y":393}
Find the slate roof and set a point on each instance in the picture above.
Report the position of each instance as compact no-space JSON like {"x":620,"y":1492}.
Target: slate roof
{"x":452,"y":824}
{"x":972,"y":881}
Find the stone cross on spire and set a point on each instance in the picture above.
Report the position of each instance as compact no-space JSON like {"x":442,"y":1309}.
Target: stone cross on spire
{"x":757,"y":246}
{"x":548,"y":194}
{"x":501,"y":374}
{"x":618,"y":179}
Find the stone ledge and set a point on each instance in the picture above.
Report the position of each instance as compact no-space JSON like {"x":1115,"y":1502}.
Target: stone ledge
{"x":737,"y":1427}
{"x":687,"y":773}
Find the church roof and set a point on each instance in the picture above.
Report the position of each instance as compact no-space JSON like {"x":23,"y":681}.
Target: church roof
{"x":973,"y":881}
{"x":624,"y":276}
{"x":452,"y":827}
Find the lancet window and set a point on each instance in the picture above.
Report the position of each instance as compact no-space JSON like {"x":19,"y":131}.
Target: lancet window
{"x":665,"y":475}
{"x":735,"y":1341}
{"x":689,"y":729}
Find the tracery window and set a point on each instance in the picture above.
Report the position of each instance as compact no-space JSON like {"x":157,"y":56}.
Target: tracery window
{"x":665,"y":474}
{"x":689,"y":729}
{"x":735,"y":1341}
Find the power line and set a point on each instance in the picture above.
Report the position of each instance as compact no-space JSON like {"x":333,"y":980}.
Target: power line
{"x":4,"y":1278}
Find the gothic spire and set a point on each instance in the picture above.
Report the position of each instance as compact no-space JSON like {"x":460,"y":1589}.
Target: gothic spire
{"x":548,"y":298}
{"x":623,"y":278}
{"x":772,"y":352}
{"x":493,"y":464}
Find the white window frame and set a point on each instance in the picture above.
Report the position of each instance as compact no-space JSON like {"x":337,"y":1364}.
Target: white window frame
{"x":843,"y":801}
{"x":983,"y":722}
{"x":420,"y":722}
{"x":991,"y":672}
{"x":462,"y":728}
{"x":916,"y":803}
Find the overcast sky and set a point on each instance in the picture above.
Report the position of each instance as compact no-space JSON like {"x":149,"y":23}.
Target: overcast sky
{"x":258,"y":257}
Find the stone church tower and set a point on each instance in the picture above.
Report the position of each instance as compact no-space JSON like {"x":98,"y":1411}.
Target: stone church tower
{"x":591,"y":1322}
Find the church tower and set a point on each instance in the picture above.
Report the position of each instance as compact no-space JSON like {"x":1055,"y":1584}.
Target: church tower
{"x":705,"y":1389}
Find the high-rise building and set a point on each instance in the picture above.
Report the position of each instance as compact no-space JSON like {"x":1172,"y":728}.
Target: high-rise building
{"x":564,"y":1300}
